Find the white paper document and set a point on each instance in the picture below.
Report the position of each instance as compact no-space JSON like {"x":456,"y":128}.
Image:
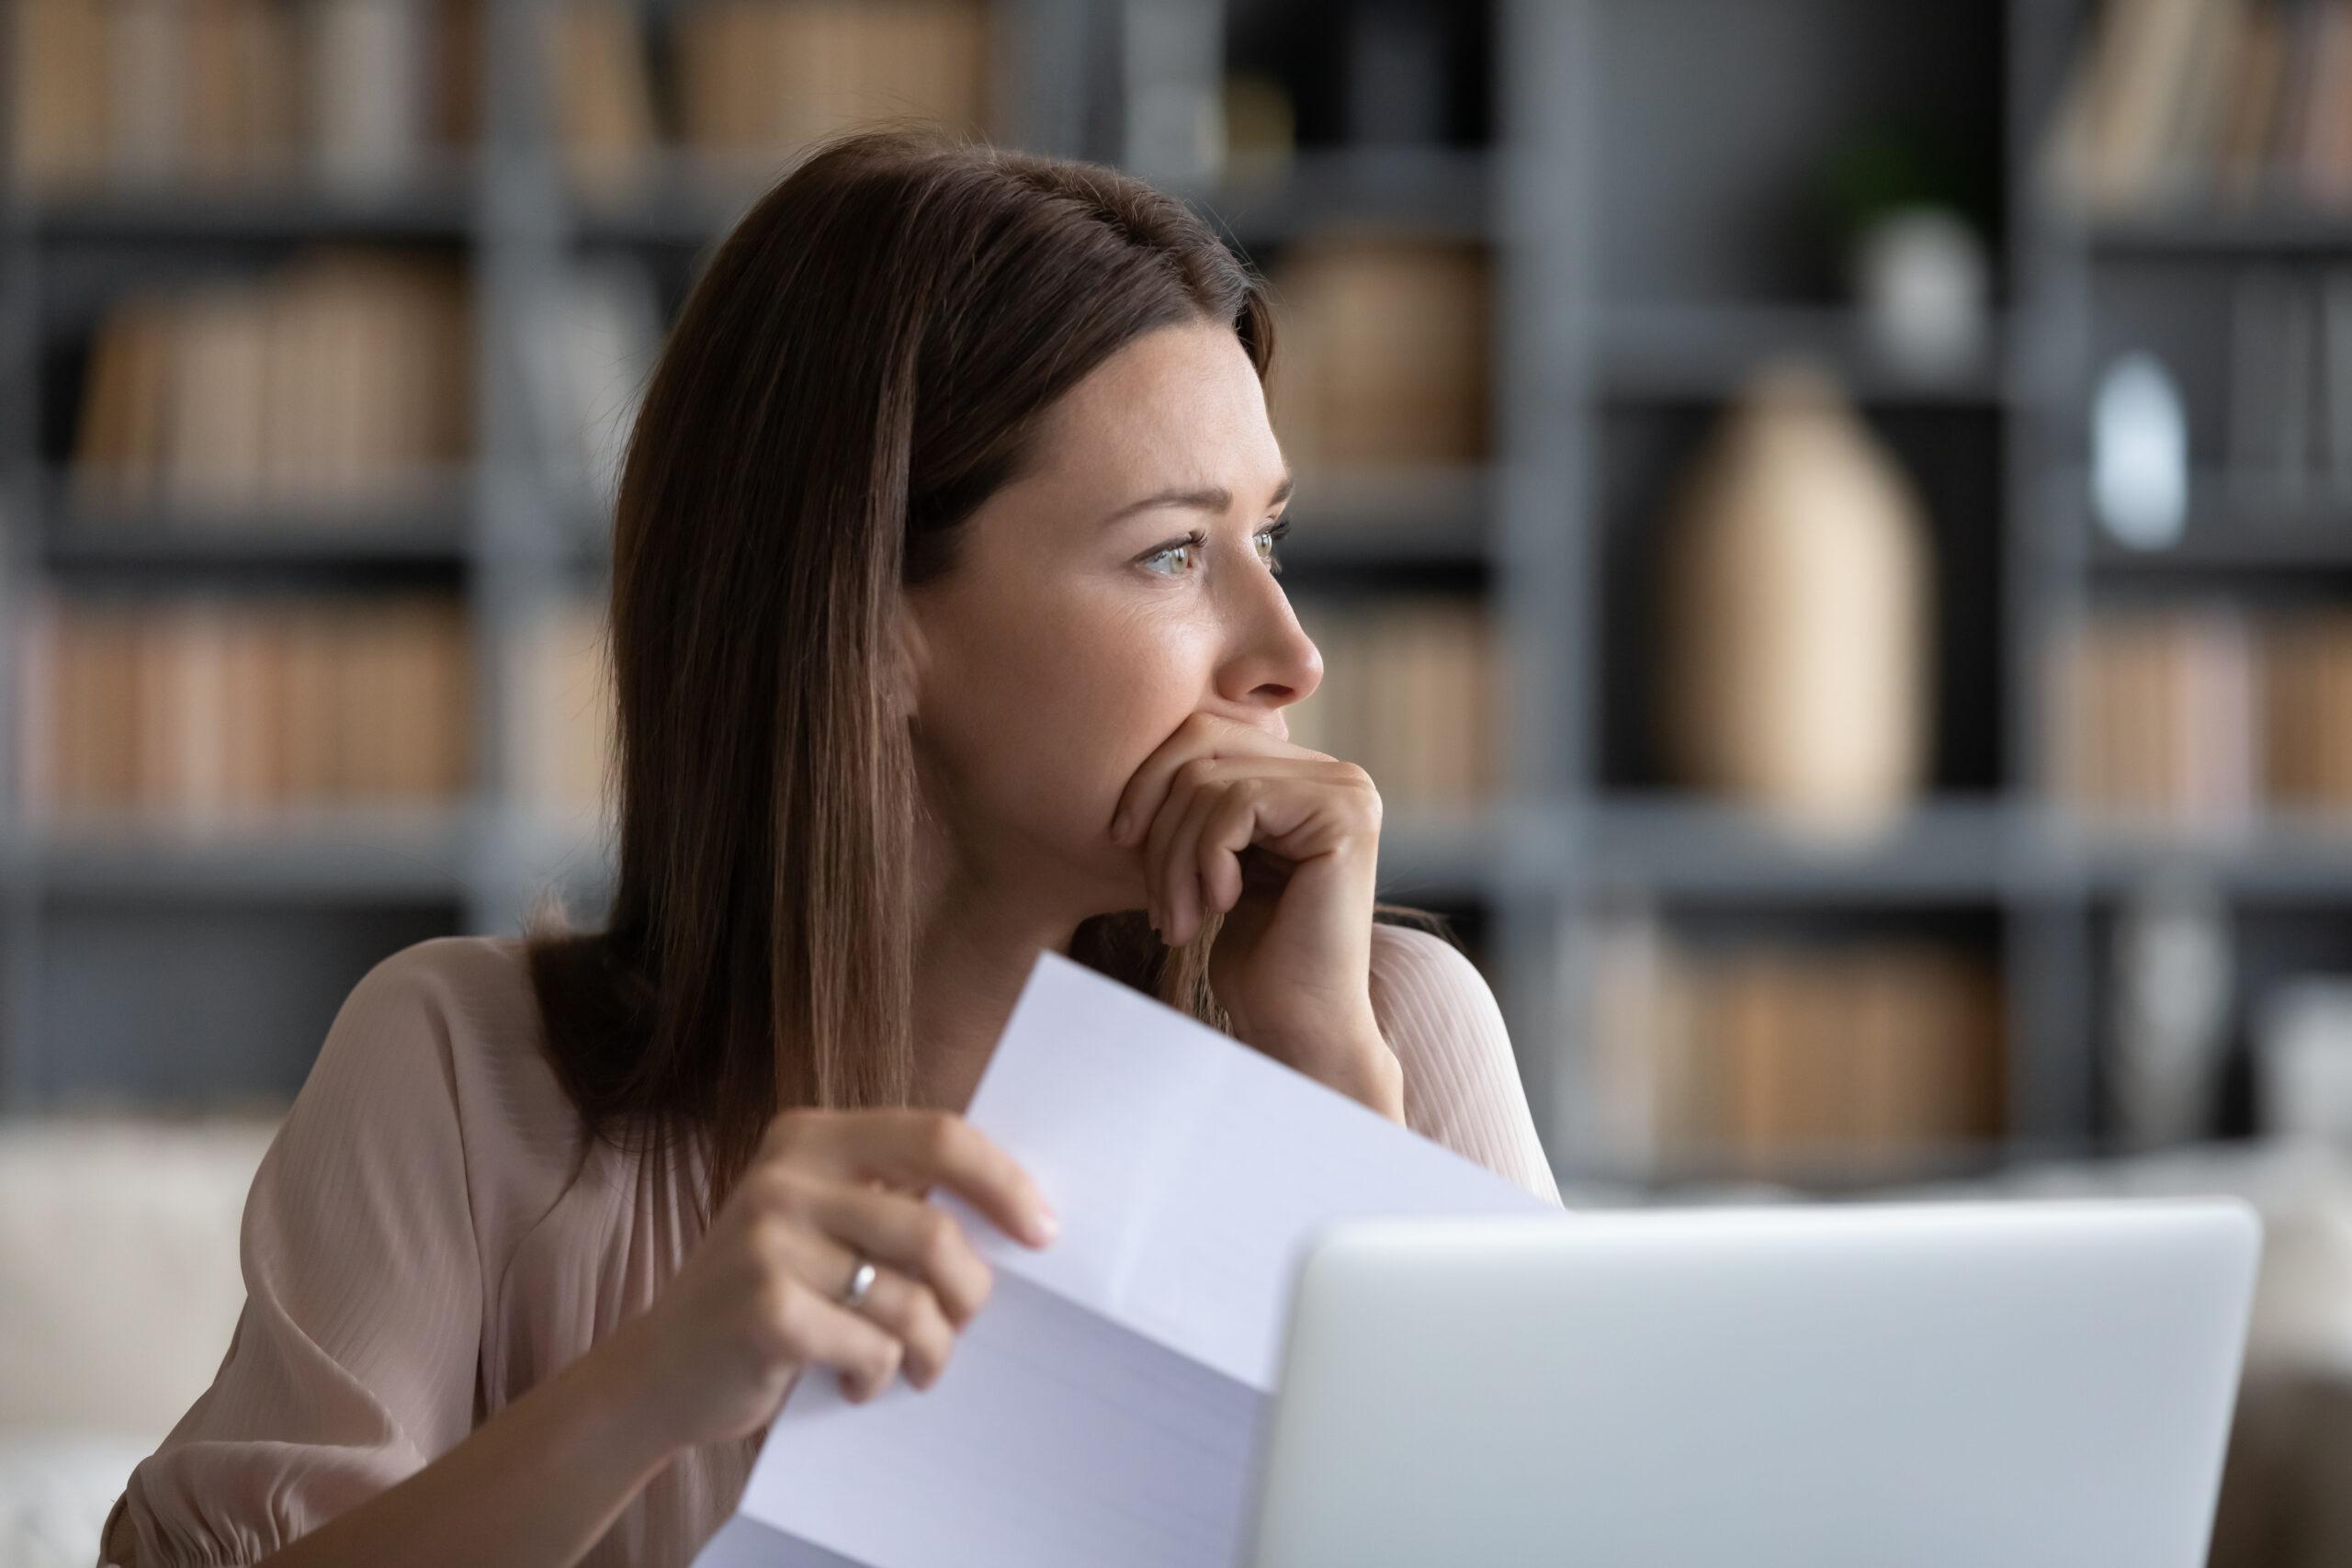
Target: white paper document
{"x":1106,"y":1405}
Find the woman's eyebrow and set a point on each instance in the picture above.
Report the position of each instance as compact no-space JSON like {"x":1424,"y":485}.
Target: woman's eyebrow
{"x":1216,"y":498}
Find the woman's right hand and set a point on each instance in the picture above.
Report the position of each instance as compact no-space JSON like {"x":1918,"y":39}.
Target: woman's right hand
{"x":756,"y":1301}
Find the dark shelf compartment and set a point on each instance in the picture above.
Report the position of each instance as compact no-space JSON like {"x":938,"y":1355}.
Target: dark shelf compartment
{"x":437,"y":205}
{"x":328,"y":854}
{"x":2270,"y":231}
{"x":1719,"y":124}
{"x":1698,"y":352}
{"x":1444,"y":192}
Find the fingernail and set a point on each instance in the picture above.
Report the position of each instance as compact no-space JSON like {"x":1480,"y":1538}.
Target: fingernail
{"x":1044,"y":1226}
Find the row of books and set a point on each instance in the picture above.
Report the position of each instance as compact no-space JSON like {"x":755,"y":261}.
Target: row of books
{"x":1411,"y":689}
{"x":2290,"y":383}
{"x":205,"y":707}
{"x":2210,"y":101}
{"x":747,"y":82}
{"x":563,"y":746}
{"x":2204,"y":714}
{"x":1382,"y":350}
{"x":346,"y":94}
{"x":343,"y":375}
{"x":1783,"y":1060}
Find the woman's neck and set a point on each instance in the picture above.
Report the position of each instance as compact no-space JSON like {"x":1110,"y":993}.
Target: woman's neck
{"x":970,"y":965}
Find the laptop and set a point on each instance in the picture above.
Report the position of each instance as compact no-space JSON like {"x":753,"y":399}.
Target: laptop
{"x":1973,"y":1386}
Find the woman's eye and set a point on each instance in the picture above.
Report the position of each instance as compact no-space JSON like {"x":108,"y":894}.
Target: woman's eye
{"x":1273,"y":537}
{"x":1191,"y":542}
{"x":1268,"y":538}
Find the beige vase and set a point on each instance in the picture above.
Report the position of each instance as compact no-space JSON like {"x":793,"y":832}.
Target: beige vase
{"x":1797,"y":611}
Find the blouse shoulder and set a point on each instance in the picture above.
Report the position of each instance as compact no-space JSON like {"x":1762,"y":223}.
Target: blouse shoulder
{"x":375,"y":1223}
{"x":468,"y":1001}
{"x":1462,"y":1082}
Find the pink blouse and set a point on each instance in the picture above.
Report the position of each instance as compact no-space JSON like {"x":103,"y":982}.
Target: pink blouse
{"x":424,"y":1242}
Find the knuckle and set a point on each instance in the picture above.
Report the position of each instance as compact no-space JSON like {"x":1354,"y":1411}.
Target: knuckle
{"x":766,"y":1233}
{"x":944,"y":1138}
{"x":779,"y":1310}
{"x":937,"y":1241}
{"x":777,"y":1192}
{"x":927,"y":1313}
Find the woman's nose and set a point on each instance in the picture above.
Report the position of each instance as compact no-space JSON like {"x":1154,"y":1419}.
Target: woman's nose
{"x":1278,"y":657}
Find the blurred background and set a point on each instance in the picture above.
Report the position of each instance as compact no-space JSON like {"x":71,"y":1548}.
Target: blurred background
{"x":1831,"y":520}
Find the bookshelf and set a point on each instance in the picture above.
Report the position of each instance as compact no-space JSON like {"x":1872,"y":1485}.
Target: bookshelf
{"x":1640,"y":176}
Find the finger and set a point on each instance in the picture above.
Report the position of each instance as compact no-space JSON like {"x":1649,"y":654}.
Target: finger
{"x":811,"y":1328}
{"x":1158,"y":866}
{"x":799,"y":1240}
{"x":911,"y":1310}
{"x":916,"y":1149}
{"x":1202,"y":735}
{"x":1182,"y":873}
{"x":1216,"y":852}
{"x":917,"y":1238}
{"x":1305,"y":764}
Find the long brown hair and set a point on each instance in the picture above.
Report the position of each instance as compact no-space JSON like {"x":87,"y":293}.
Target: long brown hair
{"x":863,"y":361}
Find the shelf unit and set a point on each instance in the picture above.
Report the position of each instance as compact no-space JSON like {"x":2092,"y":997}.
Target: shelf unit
{"x":1630,"y":305}
{"x":153,"y":964}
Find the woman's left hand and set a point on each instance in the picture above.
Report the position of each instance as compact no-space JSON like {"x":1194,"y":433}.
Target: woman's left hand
{"x":1286,"y":842}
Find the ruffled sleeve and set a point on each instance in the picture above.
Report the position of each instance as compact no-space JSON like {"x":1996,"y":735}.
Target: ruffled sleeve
{"x":1462,"y":1082}
{"x":356,"y":1360}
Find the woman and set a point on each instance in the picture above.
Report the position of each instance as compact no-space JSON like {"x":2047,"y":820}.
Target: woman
{"x":945,"y":628}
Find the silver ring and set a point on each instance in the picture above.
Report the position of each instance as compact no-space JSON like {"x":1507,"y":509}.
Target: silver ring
{"x":859,"y":1282}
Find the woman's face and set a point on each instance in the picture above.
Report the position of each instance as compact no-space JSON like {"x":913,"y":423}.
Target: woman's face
{"x":1090,"y":615}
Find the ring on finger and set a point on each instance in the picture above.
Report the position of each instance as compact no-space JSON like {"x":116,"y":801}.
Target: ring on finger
{"x":861,"y":1282}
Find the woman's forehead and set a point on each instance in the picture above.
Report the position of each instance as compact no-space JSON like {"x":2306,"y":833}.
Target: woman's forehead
{"x":1159,"y":415}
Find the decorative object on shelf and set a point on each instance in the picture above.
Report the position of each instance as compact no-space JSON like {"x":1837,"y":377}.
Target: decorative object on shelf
{"x":1910,"y":228}
{"x":1924,"y":288}
{"x":2140,"y":453}
{"x":2172,"y":978}
{"x":1798,"y":599}
{"x":2303,"y":1060}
